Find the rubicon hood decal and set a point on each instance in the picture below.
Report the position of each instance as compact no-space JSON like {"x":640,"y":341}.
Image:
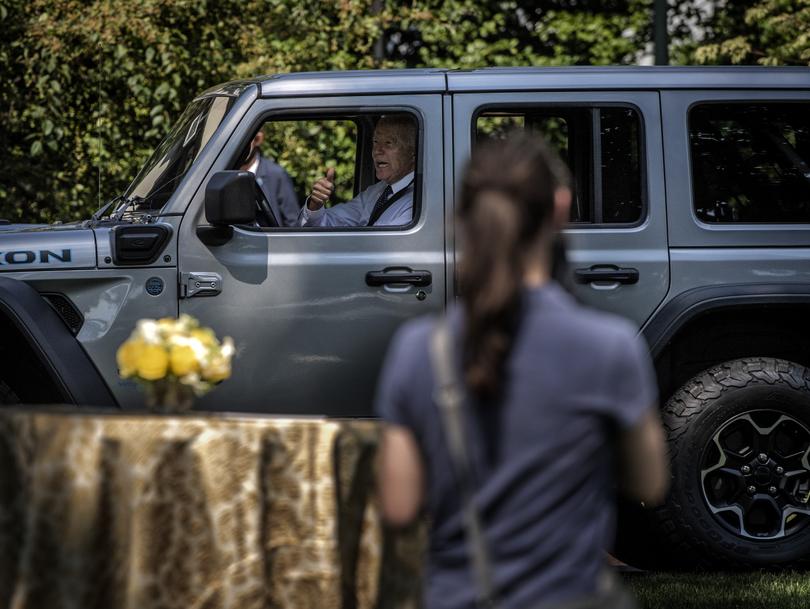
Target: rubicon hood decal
{"x":47,"y":250}
{"x":30,"y":256}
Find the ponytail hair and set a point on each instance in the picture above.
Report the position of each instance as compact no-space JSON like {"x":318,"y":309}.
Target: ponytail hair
{"x":507,"y":201}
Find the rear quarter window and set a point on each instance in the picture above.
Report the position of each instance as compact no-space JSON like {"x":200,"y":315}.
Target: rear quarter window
{"x":750,"y":162}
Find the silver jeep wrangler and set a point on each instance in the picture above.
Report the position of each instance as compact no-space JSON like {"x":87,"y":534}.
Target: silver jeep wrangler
{"x":691,"y":217}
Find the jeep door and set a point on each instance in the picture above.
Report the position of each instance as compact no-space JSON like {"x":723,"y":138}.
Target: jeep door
{"x":611,"y":141}
{"x":312,"y":310}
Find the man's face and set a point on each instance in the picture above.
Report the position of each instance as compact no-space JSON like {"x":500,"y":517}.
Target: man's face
{"x":392,"y":161}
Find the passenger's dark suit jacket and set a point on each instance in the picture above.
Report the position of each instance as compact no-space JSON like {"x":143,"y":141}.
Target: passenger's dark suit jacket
{"x":278,"y":188}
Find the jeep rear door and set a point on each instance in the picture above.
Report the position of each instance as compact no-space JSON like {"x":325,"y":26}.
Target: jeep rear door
{"x":312,"y":310}
{"x":611,"y":141}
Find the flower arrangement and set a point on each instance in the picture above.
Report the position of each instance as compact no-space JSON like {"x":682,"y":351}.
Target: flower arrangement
{"x":174,"y":359}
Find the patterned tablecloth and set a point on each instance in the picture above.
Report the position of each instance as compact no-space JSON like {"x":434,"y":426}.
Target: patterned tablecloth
{"x":135,"y":511}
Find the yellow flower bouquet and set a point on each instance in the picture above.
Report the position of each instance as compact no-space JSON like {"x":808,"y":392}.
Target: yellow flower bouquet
{"x":174,"y":359}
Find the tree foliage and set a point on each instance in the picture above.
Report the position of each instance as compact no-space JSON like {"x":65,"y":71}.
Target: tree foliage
{"x":468,"y":34}
{"x":89,"y":87}
{"x":94,"y":88}
{"x":766,"y":32}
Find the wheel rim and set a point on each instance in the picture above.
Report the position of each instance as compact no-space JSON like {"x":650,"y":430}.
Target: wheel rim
{"x":755,"y":475}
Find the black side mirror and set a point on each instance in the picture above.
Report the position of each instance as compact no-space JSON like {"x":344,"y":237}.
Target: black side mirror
{"x":230,"y":198}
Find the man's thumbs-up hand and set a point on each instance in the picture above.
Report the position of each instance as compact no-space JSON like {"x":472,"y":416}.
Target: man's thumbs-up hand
{"x":322,"y":190}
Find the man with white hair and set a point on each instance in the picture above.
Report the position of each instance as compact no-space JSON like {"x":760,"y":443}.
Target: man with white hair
{"x":389,"y":202}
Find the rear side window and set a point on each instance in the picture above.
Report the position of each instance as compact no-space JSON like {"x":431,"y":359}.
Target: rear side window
{"x":601,"y":146}
{"x":750,"y":162}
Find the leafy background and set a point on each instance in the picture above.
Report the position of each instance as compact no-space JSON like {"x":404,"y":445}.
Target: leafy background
{"x":88,"y":88}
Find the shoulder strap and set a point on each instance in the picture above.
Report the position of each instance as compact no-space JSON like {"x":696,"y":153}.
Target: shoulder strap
{"x":449,"y":397}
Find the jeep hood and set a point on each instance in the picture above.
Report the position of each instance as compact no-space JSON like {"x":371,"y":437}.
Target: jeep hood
{"x":46,"y":247}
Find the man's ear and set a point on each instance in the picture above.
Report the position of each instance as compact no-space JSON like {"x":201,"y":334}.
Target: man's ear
{"x":562,"y":207}
{"x":258,"y":139}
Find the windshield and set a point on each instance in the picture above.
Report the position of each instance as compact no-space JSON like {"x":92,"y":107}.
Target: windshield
{"x":165,"y":169}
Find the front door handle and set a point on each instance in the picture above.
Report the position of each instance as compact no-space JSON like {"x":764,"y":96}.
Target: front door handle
{"x":606,"y":272}
{"x":398,"y":274}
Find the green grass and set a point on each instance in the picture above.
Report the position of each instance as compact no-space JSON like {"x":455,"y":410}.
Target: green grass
{"x":788,"y":590}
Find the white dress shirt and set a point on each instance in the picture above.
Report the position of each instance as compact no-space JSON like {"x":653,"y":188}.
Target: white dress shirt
{"x":358,"y":211}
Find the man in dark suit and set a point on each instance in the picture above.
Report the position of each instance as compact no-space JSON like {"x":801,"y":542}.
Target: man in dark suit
{"x":274,"y":181}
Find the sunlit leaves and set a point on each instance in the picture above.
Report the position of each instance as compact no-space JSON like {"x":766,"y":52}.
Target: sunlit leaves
{"x":767,"y":32}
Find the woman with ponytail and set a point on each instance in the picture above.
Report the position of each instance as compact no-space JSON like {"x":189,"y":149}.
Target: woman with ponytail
{"x":556,"y":407}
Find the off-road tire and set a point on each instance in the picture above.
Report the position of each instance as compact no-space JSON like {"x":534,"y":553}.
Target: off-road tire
{"x":7,"y":395}
{"x":693,"y":419}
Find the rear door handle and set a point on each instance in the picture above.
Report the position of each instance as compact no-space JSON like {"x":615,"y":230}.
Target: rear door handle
{"x":399,"y":274}
{"x":626,"y":275}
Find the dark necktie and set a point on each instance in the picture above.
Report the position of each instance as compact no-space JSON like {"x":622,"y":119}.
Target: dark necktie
{"x":380,"y":206}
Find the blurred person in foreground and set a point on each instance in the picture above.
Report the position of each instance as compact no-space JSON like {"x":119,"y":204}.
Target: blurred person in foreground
{"x":559,"y":405}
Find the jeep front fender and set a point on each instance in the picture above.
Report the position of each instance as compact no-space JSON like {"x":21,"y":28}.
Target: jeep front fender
{"x":45,"y":334}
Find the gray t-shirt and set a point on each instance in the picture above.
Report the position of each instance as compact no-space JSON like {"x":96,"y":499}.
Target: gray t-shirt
{"x":542,"y":458}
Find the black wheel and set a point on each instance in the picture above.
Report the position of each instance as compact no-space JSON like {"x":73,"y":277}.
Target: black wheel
{"x":739,"y":437}
{"x":7,"y":395}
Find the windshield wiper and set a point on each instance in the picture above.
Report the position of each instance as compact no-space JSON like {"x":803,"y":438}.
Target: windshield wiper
{"x":133,"y":200}
{"x":100,"y":211}
{"x":138,"y":200}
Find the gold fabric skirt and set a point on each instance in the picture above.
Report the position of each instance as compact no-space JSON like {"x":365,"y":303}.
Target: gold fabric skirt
{"x":139,"y":511}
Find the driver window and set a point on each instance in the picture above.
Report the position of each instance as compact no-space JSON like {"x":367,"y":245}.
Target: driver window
{"x":337,"y":173}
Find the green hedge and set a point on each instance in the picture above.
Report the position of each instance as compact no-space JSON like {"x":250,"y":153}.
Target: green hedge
{"x":88,"y":88}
